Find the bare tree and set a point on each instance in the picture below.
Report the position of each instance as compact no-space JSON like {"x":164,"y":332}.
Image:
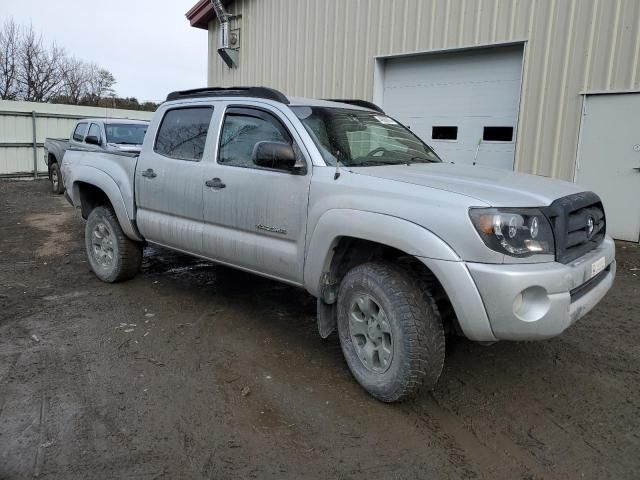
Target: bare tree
{"x":101,"y":82}
{"x":76,"y":78}
{"x":34,"y":71}
{"x":9,"y":45}
{"x":40,"y":68}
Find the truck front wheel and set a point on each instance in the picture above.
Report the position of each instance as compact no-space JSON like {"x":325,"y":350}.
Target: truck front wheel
{"x":55,"y":176}
{"x":390,"y":331}
{"x":112,"y":255}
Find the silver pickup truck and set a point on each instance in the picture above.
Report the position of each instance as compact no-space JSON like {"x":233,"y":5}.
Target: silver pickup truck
{"x":399,"y":247}
{"x":93,"y":134}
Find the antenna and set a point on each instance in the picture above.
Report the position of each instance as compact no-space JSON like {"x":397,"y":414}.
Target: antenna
{"x":475,"y":157}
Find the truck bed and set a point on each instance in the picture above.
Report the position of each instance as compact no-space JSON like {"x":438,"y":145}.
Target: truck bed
{"x":112,"y":170}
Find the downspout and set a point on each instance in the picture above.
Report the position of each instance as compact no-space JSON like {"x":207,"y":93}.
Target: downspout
{"x":225,"y":50}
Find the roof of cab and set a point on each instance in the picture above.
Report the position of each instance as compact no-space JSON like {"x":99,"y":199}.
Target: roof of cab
{"x":266,"y":93}
{"x":119,"y":121}
{"x":314,"y":102}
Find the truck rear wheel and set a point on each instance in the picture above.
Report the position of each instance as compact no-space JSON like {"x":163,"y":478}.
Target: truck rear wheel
{"x":112,"y":255}
{"x":390,"y":331}
{"x":55,"y":176}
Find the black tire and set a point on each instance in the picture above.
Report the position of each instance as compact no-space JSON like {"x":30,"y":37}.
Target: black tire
{"x":55,"y":177}
{"x":414,"y":324}
{"x":103,"y":235}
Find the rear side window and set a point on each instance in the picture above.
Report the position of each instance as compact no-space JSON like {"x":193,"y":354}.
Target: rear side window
{"x":183,"y":133}
{"x":80,"y":131}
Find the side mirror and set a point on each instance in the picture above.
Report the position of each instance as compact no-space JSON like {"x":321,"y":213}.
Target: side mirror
{"x":93,"y":140}
{"x":276,"y":155}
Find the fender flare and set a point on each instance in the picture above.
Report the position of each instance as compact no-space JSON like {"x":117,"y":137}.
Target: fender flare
{"x":104,"y":182}
{"x":376,"y":227}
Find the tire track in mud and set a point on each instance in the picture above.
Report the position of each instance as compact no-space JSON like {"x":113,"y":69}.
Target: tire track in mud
{"x":468,"y":452}
{"x":57,"y":238}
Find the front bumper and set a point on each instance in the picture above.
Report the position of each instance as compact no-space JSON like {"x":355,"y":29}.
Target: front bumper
{"x":526,"y":301}
{"x":537,"y":301}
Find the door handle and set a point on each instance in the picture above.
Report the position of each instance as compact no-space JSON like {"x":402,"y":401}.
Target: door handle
{"x":149,"y":173}
{"x":637,"y":169}
{"x":215,"y":183}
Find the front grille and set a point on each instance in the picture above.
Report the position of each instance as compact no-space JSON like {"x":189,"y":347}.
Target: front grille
{"x":579,"y":225}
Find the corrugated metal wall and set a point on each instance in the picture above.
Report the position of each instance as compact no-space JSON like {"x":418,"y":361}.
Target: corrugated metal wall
{"x":327,"y":48}
{"x":16,"y":130}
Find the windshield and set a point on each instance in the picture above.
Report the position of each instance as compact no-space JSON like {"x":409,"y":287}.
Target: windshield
{"x":361,"y":138}
{"x":125,"y":134}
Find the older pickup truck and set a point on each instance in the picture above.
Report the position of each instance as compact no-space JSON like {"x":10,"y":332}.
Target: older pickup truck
{"x":399,"y":247}
{"x":93,"y":134}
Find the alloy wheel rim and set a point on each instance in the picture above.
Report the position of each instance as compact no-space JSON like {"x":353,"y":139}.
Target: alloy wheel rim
{"x":102,"y":245}
{"x":54,"y":179}
{"x":371,"y":333}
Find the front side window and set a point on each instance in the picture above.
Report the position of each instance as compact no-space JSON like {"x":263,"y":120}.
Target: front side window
{"x":362,"y":138}
{"x":80,"y":131}
{"x":242,"y":129}
{"x":183,"y":133}
{"x":94,"y":131}
{"x":125,"y":134}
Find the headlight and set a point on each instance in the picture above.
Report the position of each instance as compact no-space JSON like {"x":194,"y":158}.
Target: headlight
{"x":518,"y":232}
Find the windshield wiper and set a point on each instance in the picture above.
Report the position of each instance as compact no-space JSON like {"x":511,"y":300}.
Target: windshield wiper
{"x":373,"y":163}
{"x":421,"y":160}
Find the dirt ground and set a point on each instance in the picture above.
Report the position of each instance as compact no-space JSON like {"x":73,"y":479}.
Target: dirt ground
{"x":144,"y":379}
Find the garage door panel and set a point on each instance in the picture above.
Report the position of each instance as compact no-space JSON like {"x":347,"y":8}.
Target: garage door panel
{"x":457,"y":64}
{"x":469,"y":90}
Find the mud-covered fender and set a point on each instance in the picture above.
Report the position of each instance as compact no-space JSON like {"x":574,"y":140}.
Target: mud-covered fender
{"x":376,"y":227}
{"x":99,"y":179}
{"x":431,"y":250}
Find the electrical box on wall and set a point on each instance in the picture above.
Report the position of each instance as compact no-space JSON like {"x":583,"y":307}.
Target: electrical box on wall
{"x":229,"y":47}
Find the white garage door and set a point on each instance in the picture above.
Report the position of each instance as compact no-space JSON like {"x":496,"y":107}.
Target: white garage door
{"x":609,"y":159}
{"x":463,"y":104}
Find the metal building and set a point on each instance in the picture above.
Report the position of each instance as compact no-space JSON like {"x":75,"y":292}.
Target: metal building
{"x":550,"y":87}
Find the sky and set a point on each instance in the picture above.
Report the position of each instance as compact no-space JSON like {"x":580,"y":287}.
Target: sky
{"x":147,"y":45}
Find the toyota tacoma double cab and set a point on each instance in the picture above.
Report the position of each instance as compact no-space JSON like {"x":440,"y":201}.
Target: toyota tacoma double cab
{"x":93,"y":134}
{"x":399,"y":247}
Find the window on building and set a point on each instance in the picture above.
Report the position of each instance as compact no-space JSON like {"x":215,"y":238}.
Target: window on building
{"x":79,"y":132}
{"x":242,"y":129}
{"x":497,"y":134}
{"x":183,"y":133}
{"x":444,"y":133}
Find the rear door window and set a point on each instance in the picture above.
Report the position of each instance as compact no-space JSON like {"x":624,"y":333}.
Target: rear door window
{"x":80,"y":131}
{"x":183,"y":133}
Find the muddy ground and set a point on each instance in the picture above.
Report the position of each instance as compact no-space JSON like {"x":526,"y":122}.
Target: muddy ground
{"x":144,"y":379}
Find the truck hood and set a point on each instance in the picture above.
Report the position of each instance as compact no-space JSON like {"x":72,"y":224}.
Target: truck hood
{"x":497,"y":188}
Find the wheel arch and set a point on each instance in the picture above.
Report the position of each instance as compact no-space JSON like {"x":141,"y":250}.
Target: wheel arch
{"x":92,"y":187}
{"x":346,"y":238}
{"x":338,"y":227}
{"x":51,"y":158}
